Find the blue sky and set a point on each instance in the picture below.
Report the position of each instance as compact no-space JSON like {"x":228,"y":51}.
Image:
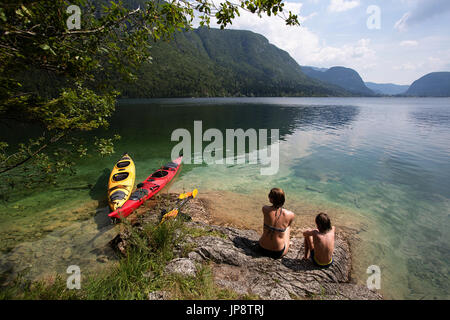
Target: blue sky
{"x":412,"y":40}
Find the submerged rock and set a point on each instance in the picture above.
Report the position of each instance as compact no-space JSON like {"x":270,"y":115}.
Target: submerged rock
{"x":67,"y":253}
{"x":102,"y":259}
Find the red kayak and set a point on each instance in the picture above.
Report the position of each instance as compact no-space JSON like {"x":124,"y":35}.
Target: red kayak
{"x":148,"y":188}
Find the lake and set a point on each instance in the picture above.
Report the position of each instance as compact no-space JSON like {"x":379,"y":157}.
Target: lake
{"x":379,"y":166}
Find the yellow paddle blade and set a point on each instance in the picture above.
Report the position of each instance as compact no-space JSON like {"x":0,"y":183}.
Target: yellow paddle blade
{"x":169,"y":215}
{"x":185,"y":195}
{"x":172,"y":213}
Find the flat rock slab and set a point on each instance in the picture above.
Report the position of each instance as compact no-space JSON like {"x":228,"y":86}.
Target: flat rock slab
{"x":181,"y":266}
{"x":239,"y":267}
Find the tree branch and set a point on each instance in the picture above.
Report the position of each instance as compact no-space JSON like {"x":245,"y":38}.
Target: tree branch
{"x":103,"y":27}
{"x":52,"y":141}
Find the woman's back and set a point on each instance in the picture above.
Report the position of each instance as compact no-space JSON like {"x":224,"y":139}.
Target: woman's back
{"x":276,"y":228}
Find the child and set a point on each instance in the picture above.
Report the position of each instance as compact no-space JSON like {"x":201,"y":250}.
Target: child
{"x":320,"y":242}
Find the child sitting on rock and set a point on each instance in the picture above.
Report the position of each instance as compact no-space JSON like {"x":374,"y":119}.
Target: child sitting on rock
{"x":319,"y":243}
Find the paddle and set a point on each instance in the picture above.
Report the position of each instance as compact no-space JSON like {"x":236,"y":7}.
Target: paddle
{"x":185,"y":197}
{"x":187,"y":194}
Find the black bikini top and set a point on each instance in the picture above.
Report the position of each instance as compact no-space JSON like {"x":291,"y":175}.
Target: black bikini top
{"x":273,"y":228}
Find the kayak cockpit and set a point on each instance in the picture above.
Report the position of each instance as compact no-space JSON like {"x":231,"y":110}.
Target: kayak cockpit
{"x":160,"y":174}
{"x":139,"y":194}
{"x":123,"y":164}
{"x":120,"y":176}
{"x":118,"y":195}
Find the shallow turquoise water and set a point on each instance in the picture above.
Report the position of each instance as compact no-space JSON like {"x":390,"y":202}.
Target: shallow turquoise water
{"x":387,"y":159}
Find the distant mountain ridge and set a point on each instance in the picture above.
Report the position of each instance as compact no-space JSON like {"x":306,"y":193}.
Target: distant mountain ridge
{"x":390,"y":89}
{"x":435,"y":84}
{"x":212,"y":63}
{"x":345,"y":78}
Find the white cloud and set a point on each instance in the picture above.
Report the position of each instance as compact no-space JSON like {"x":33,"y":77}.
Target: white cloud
{"x":431,"y":64}
{"x":358,"y":53}
{"x":342,"y":5}
{"x":401,"y":25}
{"x":408,"y":67}
{"x":308,"y":17}
{"x":424,"y":10}
{"x":304,"y":45}
{"x":409,"y":43}
{"x":438,"y":63}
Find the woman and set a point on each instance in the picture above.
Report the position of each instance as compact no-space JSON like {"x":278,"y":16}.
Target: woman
{"x":274,"y":241}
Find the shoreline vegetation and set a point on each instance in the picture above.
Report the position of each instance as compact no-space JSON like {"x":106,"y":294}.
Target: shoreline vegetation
{"x":186,"y":258}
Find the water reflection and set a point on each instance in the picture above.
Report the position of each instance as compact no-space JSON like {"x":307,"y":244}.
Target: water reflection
{"x":429,"y":117}
{"x":325,"y":117}
{"x":147,"y":120}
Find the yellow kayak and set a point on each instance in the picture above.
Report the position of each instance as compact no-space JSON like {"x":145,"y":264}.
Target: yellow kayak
{"x":121,"y":182}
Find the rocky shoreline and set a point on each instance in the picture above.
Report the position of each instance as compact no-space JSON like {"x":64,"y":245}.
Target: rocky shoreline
{"x":236,"y":265}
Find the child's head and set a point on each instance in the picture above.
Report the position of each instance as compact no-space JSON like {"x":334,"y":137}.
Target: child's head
{"x":276,"y":197}
{"x":323,"y":222}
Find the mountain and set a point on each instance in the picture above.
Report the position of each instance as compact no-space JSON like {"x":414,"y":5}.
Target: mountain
{"x":318,"y":69}
{"x":435,"y":84}
{"x":345,"y":78}
{"x":211,"y":62}
{"x":390,"y":89}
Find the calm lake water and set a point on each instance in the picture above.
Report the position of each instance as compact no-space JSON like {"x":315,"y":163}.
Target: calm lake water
{"x":378,"y":166}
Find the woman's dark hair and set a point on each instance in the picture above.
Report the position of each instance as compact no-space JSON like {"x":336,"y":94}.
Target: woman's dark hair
{"x":276,"y":197}
{"x":323,"y":222}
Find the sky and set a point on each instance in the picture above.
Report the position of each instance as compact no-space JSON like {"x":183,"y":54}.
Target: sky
{"x":386,"y":41}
